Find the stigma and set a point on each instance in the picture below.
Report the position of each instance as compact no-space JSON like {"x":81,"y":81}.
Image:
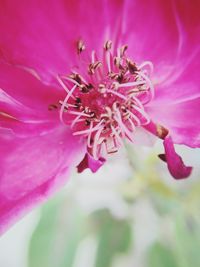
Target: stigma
{"x":105,"y":98}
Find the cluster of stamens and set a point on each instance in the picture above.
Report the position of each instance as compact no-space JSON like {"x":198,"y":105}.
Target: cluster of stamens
{"x":104,"y":103}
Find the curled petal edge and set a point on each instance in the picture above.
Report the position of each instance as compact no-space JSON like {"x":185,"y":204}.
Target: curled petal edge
{"x":89,"y":162}
{"x":175,"y":164}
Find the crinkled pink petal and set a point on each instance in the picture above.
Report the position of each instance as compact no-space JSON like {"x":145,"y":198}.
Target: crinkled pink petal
{"x":89,"y":162}
{"x":174,"y":162}
{"x":32,"y":168}
{"x":43,"y":36}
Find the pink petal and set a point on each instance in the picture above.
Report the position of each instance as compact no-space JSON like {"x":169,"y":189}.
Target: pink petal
{"x":27,"y":92}
{"x":174,"y":162}
{"x":182,"y":83}
{"x":160,"y":31}
{"x":181,"y":119}
{"x":33,"y":168}
{"x":180,"y":89}
{"x":25,"y":102}
{"x":43,"y":36}
{"x":26,"y":129}
{"x":177,"y":97}
{"x":89,"y":162}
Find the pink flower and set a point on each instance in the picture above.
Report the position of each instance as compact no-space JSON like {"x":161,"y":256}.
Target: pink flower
{"x":78,"y":77}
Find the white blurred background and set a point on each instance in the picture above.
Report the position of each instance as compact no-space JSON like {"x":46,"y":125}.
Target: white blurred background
{"x":131,"y":213}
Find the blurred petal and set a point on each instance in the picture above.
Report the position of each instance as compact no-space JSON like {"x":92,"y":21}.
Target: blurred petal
{"x":31,"y":169}
{"x":43,"y":36}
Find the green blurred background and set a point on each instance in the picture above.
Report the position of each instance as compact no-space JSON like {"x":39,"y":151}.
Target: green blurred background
{"x":129,"y":214}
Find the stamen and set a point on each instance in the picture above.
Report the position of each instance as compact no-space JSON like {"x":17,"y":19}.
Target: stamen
{"x":62,"y":84}
{"x":79,"y":113}
{"x":147,"y":63}
{"x":137,"y":101}
{"x":109,"y":112}
{"x":132,"y":124}
{"x":94,"y":66}
{"x":108,"y":45}
{"x":116,"y":134}
{"x":90,"y":134}
{"x":52,"y":107}
{"x":134,"y":117}
{"x":148,"y":82}
{"x":77,"y":119}
{"x":117,"y":61}
{"x":108,"y":61}
{"x":106,"y":101}
{"x":96,"y":139}
{"x":68,"y":105}
{"x":132,"y":67}
{"x":117,"y":94}
{"x":65,"y":103}
{"x":80,"y":46}
{"x":122,"y":125}
{"x":73,"y":81}
{"x":96,"y":128}
{"x":143,"y":113}
{"x":131,"y":84}
{"x":93,"y":55}
{"x":112,"y":149}
{"x":123,"y":50}
{"x":104,"y":151}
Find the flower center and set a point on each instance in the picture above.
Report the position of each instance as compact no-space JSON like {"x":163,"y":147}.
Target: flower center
{"x":105,"y":98}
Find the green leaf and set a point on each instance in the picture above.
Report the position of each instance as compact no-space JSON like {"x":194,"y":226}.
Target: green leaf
{"x":114,"y":237}
{"x":187,"y":241}
{"x":57,"y":236}
{"x":161,"y":256}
